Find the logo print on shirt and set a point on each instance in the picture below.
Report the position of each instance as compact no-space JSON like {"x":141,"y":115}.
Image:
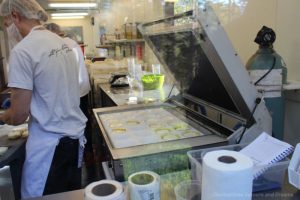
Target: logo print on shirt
{"x":55,"y":52}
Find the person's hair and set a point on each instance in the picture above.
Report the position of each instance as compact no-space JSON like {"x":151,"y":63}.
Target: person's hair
{"x":55,"y":28}
{"x":29,"y":9}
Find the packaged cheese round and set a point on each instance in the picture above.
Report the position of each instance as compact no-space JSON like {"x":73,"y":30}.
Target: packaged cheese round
{"x":14,"y":134}
{"x":18,"y":132}
{"x":24,"y":134}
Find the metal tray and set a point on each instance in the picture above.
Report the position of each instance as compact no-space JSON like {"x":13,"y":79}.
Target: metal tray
{"x":137,"y":130}
{"x":140,"y":127}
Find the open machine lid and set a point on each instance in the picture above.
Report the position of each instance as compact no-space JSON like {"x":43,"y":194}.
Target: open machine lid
{"x":198,"y":57}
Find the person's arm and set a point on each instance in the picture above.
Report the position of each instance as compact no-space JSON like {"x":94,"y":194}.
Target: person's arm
{"x":1,"y":121}
{"x":19,"y":109}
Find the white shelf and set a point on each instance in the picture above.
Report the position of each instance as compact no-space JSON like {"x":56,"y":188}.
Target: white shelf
{"x":124,"y":41}
{"x":292,"y":85}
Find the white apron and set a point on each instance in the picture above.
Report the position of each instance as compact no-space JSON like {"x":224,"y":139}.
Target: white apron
{"x":40,"y":148}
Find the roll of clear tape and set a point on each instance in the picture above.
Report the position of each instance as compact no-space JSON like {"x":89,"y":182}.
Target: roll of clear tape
{"x":104,"y":190}
{"x":144,"y":185}
{"x":226,"y":175}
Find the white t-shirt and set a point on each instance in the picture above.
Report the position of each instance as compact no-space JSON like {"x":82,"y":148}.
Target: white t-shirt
{"x":84,"y":81}
{"x":43,"y":63}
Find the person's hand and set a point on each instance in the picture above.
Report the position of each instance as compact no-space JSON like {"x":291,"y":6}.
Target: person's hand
{"x":1,"y":120}
{"x":6,"y":103}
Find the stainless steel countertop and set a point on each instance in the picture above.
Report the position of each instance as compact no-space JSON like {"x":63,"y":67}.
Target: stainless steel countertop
{"x":120,"y":96}
{"x":14,"y":146}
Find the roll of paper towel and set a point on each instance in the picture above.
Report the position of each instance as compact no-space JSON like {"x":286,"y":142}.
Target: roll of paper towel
{"x":144,"y":185}
{"x":104,"y":190}
{"x":226,"y":175}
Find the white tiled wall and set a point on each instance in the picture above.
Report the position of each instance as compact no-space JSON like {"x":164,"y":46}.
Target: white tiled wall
{"x":241,"y":19}
{"x":87,"y":30}
{"x":288,"y":34}
{"x":124,"y":11}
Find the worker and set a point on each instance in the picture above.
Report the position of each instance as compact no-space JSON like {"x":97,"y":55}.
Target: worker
{"x":14,"y":36}
{"x":43,"y":78}
{"x":84,"y":82}
{"x":85,"y":88}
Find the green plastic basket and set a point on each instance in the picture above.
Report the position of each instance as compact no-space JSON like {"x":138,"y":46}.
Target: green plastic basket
{"x":153,"y":81}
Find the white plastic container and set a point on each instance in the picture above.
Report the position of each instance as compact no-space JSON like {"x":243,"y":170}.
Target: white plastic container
{"x":272,"y":178}
{"x":102,"y":53}
{"x":294,"y":168}
{"x":187,"y":190}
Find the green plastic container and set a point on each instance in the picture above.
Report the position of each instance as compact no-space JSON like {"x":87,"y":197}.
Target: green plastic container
{"x":153,"y":81}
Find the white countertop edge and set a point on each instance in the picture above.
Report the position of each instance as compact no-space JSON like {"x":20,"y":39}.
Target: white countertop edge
{"x":292,"y":85}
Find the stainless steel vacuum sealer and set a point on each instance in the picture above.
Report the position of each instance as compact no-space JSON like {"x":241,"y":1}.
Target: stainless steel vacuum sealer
{"x":216,"y":105}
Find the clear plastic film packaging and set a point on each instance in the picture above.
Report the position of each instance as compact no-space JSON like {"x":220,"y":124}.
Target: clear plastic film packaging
{"x":227,"y":175}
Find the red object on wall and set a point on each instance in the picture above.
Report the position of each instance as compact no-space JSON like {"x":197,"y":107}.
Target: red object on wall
{"x":82,"y":47}
{"x":139,"y":51}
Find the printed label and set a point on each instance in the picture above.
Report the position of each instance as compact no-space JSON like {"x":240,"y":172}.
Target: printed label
{"x":270,"y":85}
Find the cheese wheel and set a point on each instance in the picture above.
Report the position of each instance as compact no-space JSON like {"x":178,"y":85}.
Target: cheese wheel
{"x":24,"y":134}
{"x":14,"y":134}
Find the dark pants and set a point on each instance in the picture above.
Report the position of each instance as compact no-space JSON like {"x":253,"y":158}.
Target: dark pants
{"x":88,"y":150}
{"x":64,"y":174}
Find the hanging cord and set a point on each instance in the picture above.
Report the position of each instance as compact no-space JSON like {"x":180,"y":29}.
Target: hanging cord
{"x":171,"y":91}
{"x":261,"y":78}
{"x":247,"y":125}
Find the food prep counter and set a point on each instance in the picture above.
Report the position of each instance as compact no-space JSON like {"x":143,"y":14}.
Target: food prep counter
{"x":151,"y":137}
{"x":168,"y":182}
{"x":115,"y":96}
{"x":119,"y":96}
{"x":13,"y":157}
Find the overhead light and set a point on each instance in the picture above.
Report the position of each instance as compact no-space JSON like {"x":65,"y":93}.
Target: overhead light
{"x":68,"y":14}
{"x":72,"y":5}
{"x":68,"y":17}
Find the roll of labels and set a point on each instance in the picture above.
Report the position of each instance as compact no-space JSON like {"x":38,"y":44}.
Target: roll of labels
{"x":144,"y":185}
{"x":104,"y":190}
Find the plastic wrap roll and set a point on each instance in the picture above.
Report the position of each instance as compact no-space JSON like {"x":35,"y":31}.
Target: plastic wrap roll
{"x":144,"y":185}
{"x":226,"y":175}
{"x":104,"y":190}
